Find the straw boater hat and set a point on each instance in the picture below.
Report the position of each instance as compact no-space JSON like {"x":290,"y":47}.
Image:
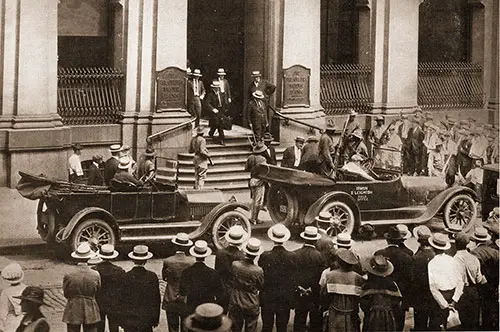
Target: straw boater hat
{"x":107,"y":251}
{"x":197,"y":73}
{"x":236,"y":235}
{"x":208,"y":317}
{"x":268,"y":137}
{"x":453,"y":229}
{"x":347,"y":256}
{"x":258,"y":94}
{"x":97,"y":158}
{"x":253,"y":247}
{"x":357,"y":133}
{"x":300,"y":139}
{"x":422,"y":232}
{"x":95,"y":260}
{"x":440,"y":241}
{"x":221,"y":72}
{"x":380,"y":266}
{"x":182,"y":239}
{"x":343,"y":240}
{"x":279,"y":233}
{"x":324,"y":216}
{"x":481,"y":235}
{"x":310,"y":233}
{"x":140,"y":253}
{"x":124,"y":163}
{"x":200,"y":249}
{"x":312,"y":139}
{"x":259,"y":148}
{"x":256,"y":73}
{"x":404,"y":231}
{"x":215,"y":84}
{"x":393,"y":234}
{"x":13,"y":273}
{"x":115,"y":148}
{"x":32,"y":294}
{"x":83,"y":251}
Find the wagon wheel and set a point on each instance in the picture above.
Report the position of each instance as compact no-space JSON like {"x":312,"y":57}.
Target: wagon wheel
{"x":342,"y":218}
{"x":224,"y":222}
{"x":95,"y":231}
{"x":46,"y":222}
{"x":282,"y":204}
{"x":460,"y":210}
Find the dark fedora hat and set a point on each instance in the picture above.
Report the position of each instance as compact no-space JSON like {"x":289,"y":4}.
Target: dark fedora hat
{"x":208,"y":317}
{"x":76,"y":146}
{"x":380,"y":266}
{"x":33,"y":294}
{"x":393,"y":234}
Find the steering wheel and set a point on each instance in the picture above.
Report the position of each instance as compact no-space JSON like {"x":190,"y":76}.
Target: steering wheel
{"x":368,"y":163}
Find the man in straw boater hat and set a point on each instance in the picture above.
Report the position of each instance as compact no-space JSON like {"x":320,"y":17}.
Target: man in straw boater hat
{"x":468,"y":306}
{"x":445,"y":279}
{"x":225,"y":257}
{"x":10,"y":306}
{"x":257,"y":186}
{"x":380,"y":298}
{"x":406,"y":234}
{"x":424,"y":315}
{"x":452,"y":230}
{"x":123,"y":175}
{"x":225,"y":88}
{"x":80,"y":288}
{"x":140,"y":299}
{"x":310,"y":265}
{"x":198,"y":146}
{"x":146,"y":166}
{"x":324,"y":222}
{"x":277,"y":293}
{"x":248,"y":279}
{"x":33,"y":319}
{"x":208,"y":317}
{"x":200,"y":283}
{"x":111,"y":165}
{"x":487,"y":253}
{"x":403,"y":266}
{"x":260,"y":84}
{"x":173,"y":266}
{"x":195,"y":95}
{"x":340,"y":290}
{"x":256,"y":111}
{"x":215,"y":106}
{"x":109,"y":292}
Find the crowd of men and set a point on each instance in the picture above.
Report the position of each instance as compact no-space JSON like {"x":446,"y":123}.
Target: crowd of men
{"x":447,"y":281}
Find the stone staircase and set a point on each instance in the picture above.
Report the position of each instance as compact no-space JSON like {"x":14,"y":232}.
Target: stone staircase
{"x":228,"y":173}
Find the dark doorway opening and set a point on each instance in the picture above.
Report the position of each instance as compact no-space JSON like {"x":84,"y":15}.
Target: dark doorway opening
{"x":215,"y":39}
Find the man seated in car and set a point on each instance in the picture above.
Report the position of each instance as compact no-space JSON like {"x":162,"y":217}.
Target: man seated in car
{"x":123,"y":176}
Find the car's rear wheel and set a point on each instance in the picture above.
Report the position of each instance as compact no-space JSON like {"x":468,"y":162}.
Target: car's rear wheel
{"x":460,"y":210}
{"x":225,"y":221}
{"x":282,"y":204}
{"x":342,"y":221}
{"x":46,"y":222}
{"x":95,"y":231}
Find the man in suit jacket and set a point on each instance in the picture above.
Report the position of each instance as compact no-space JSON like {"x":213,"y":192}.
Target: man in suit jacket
{"x":270,"y":153}
{"x":111,"y":277}
{"x":173,"y":266}
{"x":200,"y":283}
{"x":261,"y":85}
{"x":111,"y":165}
{"x":256,"y":111}
{"x":403,"y":268}
{"x":293,"y":154}
{"x":141,"y":300}
{"x":225,"y":88}
{"x":310,"y":266}
{"x":277,"y":293}
{"x":195,"y":95}
{"x":309,"y":160}
{"x":215,"y":105}
{"x":416,"y":147}
{"x":95,"y":175}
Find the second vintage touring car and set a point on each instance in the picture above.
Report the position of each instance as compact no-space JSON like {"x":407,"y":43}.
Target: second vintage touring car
{"x":361,"y":196}
{"x":69,"y":213}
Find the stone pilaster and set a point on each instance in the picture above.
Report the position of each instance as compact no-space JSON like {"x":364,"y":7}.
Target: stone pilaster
{"x":364,"y":30}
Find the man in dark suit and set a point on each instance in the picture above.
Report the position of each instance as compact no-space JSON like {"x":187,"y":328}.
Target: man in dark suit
{"x":95,"y":175}
{"x":262,"y":85}
{"x":195,"y":95}
{"x":111,"y":165}
{"x":106,"y":297}
{"x":277,"y":294}
{"x":309,"y":160}
{"x":200,"y":283}
{"x":403,"y":268}
{"x":141,"y":300}
{"x":293,"y":154}
{"x":173,"y":266}
{"x":225,"y":257}
{"x":310,"y":266}
{"x":270,"y":153}
{"x":256,"y":111}
{"x":416,"y":148}
{"x":215,"y":105}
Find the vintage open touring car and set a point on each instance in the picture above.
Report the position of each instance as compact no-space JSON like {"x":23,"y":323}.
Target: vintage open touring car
{"x":69,"y":214}
{"x":362,"y":196}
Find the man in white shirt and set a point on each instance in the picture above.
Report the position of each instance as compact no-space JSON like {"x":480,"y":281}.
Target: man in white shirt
{"x":445,"y":277}
{"x":74,"y":164}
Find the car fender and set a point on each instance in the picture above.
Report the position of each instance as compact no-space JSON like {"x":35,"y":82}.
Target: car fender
{"x":210,"y":218}
{"x":313,"y":210}
{"x":83,"y":214}
{"x":438,"y":202}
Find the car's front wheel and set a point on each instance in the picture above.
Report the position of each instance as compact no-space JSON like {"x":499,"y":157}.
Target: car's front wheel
{"x":282,"y":204}
{"x":342,"y":220}
{"x":460,"y":210}
{"x":225,"y":221}
{"x":95,"y":231}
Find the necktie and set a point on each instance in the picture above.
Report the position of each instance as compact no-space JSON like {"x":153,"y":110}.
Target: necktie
{"x":218,"y":97}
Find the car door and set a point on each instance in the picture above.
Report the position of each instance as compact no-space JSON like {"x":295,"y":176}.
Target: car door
{"x":124,"y":205}
{"x":164,"y":206}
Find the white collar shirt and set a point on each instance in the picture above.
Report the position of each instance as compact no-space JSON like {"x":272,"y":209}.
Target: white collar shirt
{"x":471,"y":268}
{"x":298,"y":154}
{"x":75,"y":166}
{"x":445,"y":274}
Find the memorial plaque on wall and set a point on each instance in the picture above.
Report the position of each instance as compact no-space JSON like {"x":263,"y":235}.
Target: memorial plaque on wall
{"x":170,"y":89}
{"x":296,"y":86}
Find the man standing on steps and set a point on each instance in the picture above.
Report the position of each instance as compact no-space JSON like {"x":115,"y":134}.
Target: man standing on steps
{"x":257,"y":115}
{"x":195,"y":95}
{"x":215,"y":106}
{"x":257,"y":186}
{"x":198,"y":146}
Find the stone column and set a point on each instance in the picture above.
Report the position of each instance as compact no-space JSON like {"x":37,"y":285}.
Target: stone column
{"x":364,"y":31}
{"x":492,"y":58}
{"x":301,"y":46}
{"x":395,"y":55}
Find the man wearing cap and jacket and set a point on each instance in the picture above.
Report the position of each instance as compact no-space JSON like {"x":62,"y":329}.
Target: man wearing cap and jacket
{"x":292,"y":155}
{"x":325,"y":150}
{"x":257,"y":186}
{"x":198,"y":146}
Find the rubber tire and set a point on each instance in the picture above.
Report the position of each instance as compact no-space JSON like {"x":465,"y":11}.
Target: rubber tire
{"x":332,"y":203}
{"x":221,"y":218}
{"x":48,"y":233}
{"x":293,"y":206}
{"x":84,"y":224}
{"x":452,"y":201}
